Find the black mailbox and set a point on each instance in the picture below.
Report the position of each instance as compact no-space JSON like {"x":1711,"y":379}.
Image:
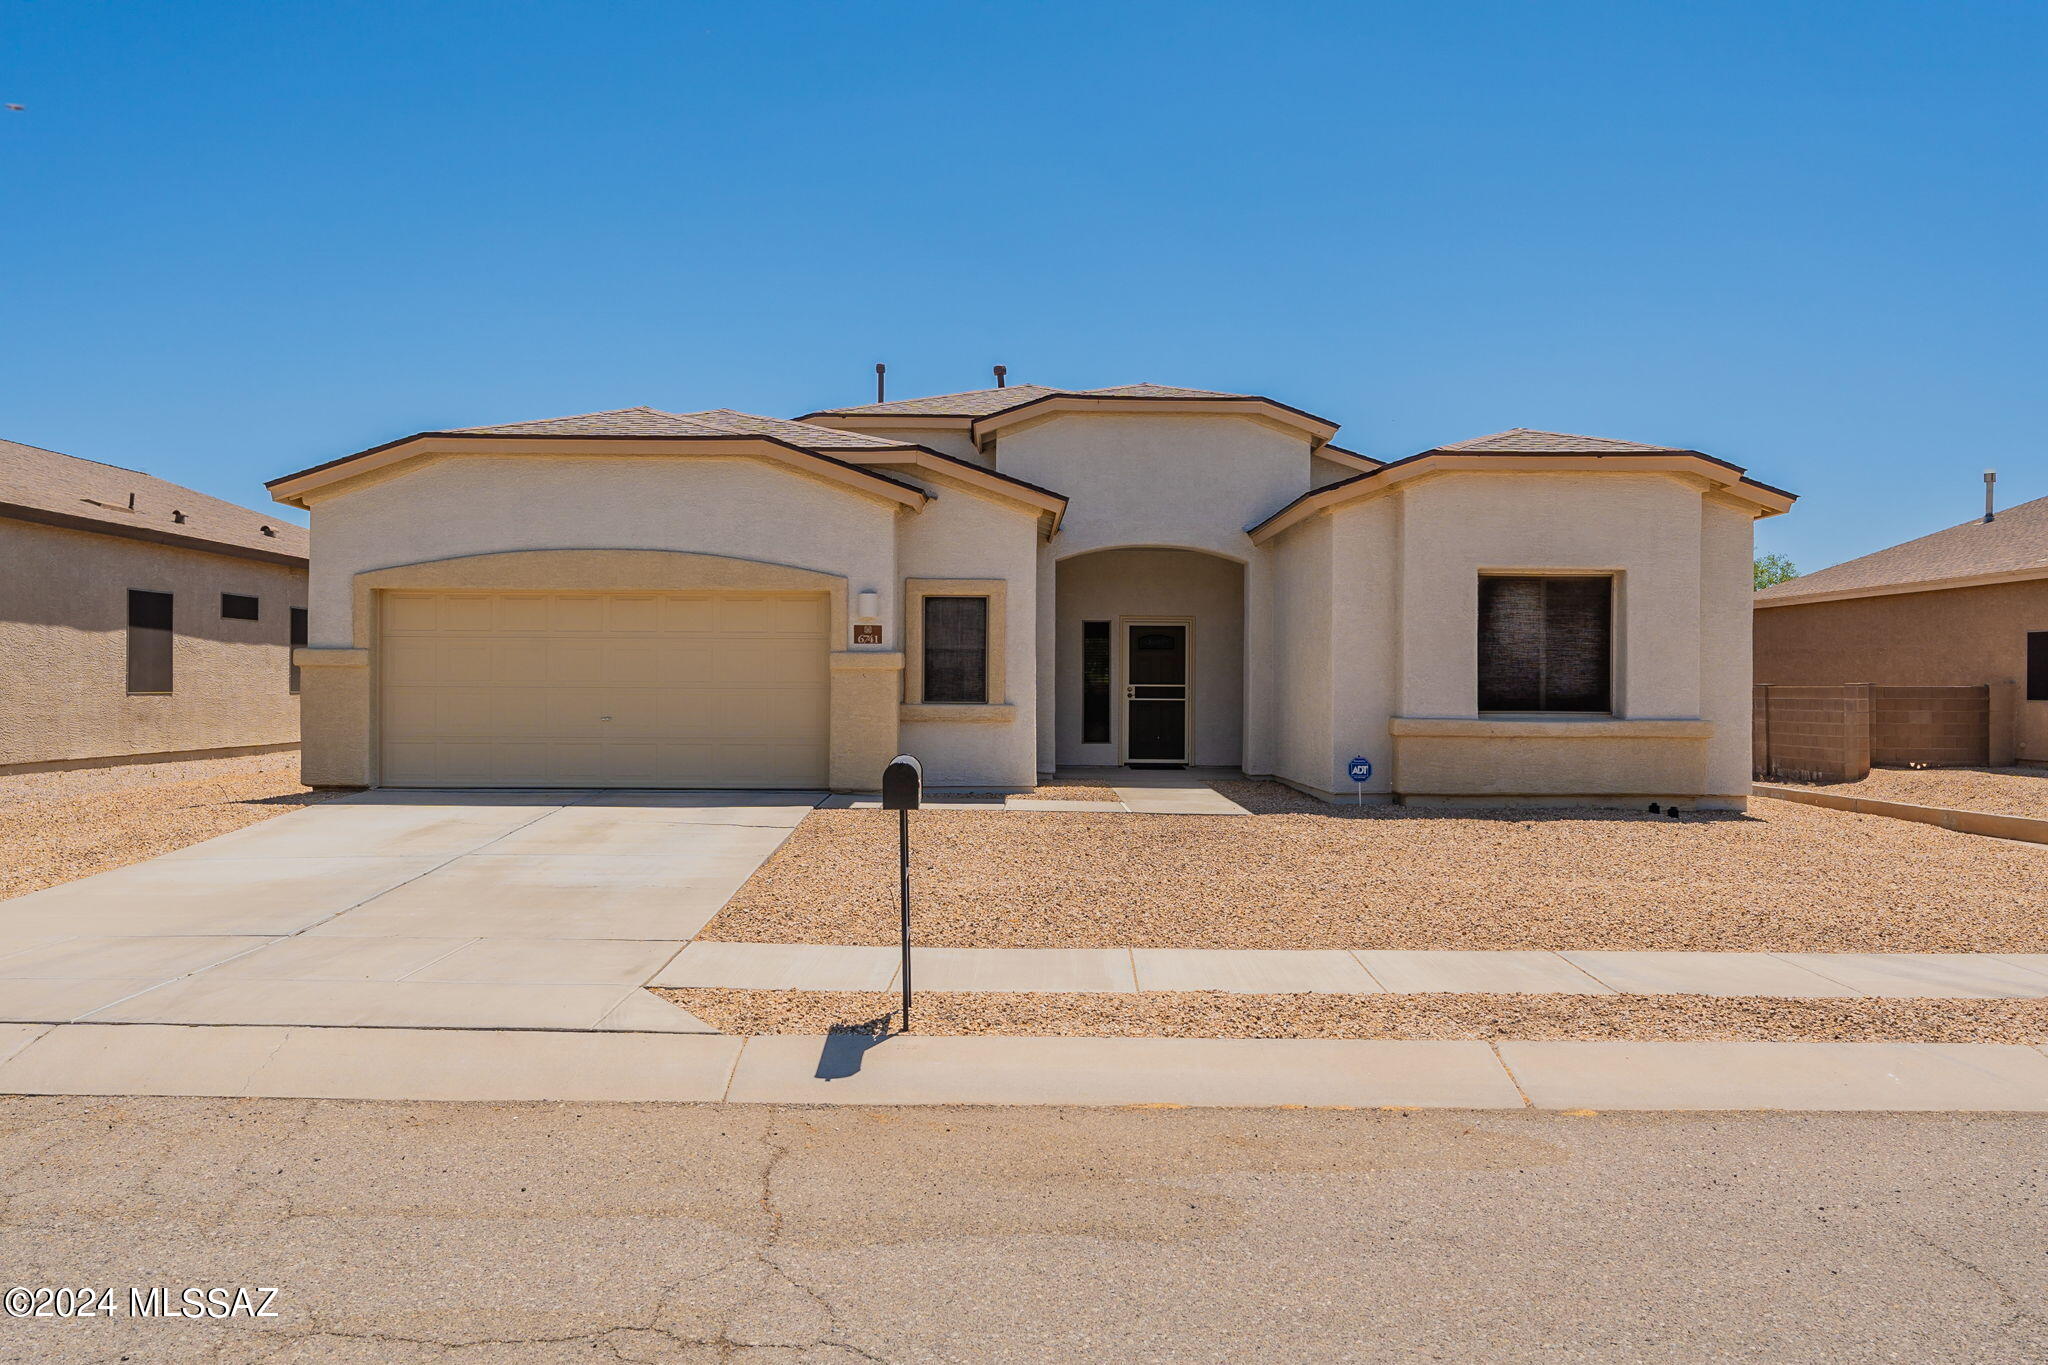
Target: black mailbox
{"x":903,"y":784}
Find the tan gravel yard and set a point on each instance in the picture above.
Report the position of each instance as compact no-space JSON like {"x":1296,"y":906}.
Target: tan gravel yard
{"x":1302,"y":874}
{"x":1075,"y":791}
{"x":1209,"y":1014}
{"x":59,"y":826}
{"x":2000,"y":791}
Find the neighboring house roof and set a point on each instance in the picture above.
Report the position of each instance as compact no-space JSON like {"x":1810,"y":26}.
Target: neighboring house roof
{"x":63,"y":490}
{"x":654,"y":422}
{"x":1523,"y":447}
{"x":988,"y":402}
{"x":2012,"y":546}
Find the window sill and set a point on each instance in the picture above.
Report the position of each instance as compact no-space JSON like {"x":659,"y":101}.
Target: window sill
{"x":958,"y":712}
{"x":1558,"y":725}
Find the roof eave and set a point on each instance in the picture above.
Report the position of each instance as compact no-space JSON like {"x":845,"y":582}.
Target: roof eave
{"x":1319,"y":429}
{"x":291,"y":489}
{"x":1982,"y":580}
{"x":203,"y":544}
{"x":1767,"y":501}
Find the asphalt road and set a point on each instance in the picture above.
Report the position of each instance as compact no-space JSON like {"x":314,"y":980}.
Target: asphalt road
{"x":558,"y":1232}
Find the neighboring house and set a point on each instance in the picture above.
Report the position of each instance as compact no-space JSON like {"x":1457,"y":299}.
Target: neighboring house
{"x":1019,"y":578}
{"x":139,"y":619}
{"x":1964,"y":607}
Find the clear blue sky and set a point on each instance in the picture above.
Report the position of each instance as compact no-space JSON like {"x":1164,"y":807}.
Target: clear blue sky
{"x":240,"y":238}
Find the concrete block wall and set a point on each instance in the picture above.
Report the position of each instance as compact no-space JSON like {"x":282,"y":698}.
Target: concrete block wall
{"x":1812,"y":733}
{"x":1835,"y":732}
{"x":1937,"y":726}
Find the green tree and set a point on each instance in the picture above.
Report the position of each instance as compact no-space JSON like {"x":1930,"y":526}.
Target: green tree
{"x":1773,"y":569}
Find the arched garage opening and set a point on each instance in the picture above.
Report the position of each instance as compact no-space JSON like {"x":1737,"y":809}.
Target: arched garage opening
{"x":1149,"y":658}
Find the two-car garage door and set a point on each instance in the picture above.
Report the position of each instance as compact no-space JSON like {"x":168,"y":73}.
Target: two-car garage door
{"x":568,"y":689}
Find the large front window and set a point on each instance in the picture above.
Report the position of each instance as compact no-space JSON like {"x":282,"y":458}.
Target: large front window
{"x":1546,"y":642}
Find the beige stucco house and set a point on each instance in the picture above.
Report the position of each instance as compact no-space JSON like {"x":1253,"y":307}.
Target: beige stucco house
{"x":139,"y":619}
{"x":1017,"y":579}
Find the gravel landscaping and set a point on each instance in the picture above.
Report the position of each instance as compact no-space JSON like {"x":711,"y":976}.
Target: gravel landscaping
{"x":1999,"y":791}
{"x":1211,"y":1014}
{"x":1074,"y":791}
{"x":1302,"y":874}
{"x":59,"y":826}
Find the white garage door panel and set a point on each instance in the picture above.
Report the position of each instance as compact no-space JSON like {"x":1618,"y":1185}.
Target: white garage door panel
{"x":604,"y":689}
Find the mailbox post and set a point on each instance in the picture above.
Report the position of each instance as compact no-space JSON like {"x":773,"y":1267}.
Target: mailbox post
{"x":903,"y":792}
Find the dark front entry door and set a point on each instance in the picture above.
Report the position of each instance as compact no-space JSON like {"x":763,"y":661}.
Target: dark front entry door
{"x":1156,"y":694}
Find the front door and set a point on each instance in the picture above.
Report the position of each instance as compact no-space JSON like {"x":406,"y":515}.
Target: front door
{"x":1156,"y":694}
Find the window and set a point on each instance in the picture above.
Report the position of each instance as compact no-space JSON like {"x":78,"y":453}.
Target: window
{"x":235,"y":607}
{"x":1095,"y":671}
{"x":298,"y":640}
{"x":956,"y":649}
{"x":2037,"y":665}
{"x":149,"y":642}
{"x":1545,"y":643}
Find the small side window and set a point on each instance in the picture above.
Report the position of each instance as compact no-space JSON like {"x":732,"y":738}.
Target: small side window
{"x":149,"y":643}
{"x":2037,"y":665}
{"x":298,"y":639}
{"x":956,"y":649}
{"x":1095,"y":678}
{"x":235,"y":607}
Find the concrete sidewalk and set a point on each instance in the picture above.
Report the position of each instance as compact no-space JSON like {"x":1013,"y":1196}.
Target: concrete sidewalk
{"x":1861,"y":976}
{"x":406,"y":1064}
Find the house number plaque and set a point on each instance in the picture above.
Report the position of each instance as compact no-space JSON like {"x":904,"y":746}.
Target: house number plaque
{"x":867,"y":635}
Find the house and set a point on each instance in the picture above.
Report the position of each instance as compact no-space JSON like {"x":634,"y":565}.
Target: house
{"x":140,"y":620}
{"x":1012,"y":580}
{"x":1962,"y":608}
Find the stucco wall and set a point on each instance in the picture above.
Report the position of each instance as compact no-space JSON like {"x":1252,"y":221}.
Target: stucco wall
{"x":1396,"y":597}
{"x":1304,"y":607}
{"x":1959,"y":637}
{"x":484,"y":504}
{"x":1643,"y":527}
{"x":1113,"y":584}
{"x":957,"y":443}
{"x":1136,"y":479}
{"x":63,"y":630}
{"x":965,"y":535}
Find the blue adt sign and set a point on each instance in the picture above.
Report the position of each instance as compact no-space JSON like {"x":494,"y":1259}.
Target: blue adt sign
{"x":1361,"y":769}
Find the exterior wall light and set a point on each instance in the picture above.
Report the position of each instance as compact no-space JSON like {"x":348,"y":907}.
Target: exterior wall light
{"x":868,"y":604}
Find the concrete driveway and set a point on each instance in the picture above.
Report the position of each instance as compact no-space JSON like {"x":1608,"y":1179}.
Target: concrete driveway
{"x":490,"y":910}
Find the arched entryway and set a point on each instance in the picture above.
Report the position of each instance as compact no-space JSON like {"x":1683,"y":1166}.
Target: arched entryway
{"x":1149,"y":658}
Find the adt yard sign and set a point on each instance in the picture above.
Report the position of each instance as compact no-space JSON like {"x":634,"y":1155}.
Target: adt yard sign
{"x":1360,"y":769}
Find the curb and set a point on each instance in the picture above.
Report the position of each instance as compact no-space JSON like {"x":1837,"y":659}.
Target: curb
{"x":474,"y":1065}
{"x":2025,"y":828}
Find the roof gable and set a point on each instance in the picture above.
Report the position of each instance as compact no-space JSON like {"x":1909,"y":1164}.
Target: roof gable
{"x":1529,"y":441}
{"x":65,"y":490}
{"x":2014,"y":544}
{"x":645,"y":421}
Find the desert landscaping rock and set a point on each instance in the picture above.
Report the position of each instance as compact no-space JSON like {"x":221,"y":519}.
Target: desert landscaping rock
{"x":1301,"y":874}
{"x":2001,"y":791}
{"x":1216,"y":1014}
{"x":59,"y":826}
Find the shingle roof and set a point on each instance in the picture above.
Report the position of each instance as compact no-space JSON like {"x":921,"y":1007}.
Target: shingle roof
{"x":44,"y":485}
{"x":645,"y":421}
{"x":1526,"y":440}
{"x":988,"y":402}
{"x":2015,"y":542}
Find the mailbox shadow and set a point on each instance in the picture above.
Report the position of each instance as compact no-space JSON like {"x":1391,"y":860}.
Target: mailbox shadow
{"x":846,"y":1044}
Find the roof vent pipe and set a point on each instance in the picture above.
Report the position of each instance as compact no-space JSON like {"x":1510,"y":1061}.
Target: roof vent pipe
{"x":1990,"y":482}
{"x":881,"y":375}
{"x":1002,"y":376}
